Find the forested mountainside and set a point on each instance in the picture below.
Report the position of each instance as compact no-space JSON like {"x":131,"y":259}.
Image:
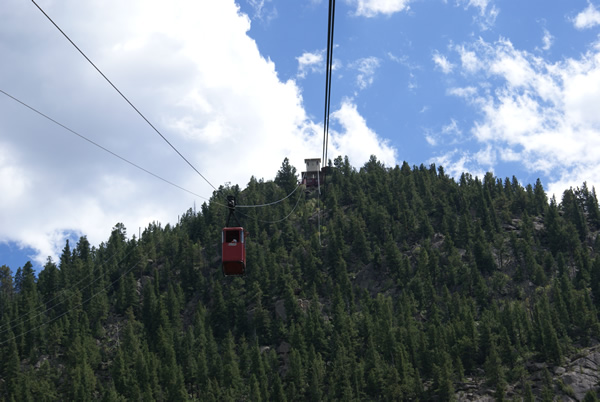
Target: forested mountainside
{"x":413,"y":287}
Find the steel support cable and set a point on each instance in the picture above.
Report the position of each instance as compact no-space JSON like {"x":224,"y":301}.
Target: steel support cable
{"x":325,"y":161}
{"x":124,"y":97}
{"x":277,"y":221}
{"x":319,"y":206}
{"x":270,"y":203}
{"x":132,"y":163}
{"x":328,"y":78}
{"x":101,"y":147}
{"x":327,"y":63}
{"x":141,"y":115}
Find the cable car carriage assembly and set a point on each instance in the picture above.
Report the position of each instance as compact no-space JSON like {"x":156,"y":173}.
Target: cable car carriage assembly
{"x":233,"y":244}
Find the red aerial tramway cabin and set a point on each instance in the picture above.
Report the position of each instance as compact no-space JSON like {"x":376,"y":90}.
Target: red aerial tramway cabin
{"x":233,"y":245}
{"x":234,"y":251}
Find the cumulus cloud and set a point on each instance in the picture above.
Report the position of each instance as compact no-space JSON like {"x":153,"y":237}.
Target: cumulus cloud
{"x":191,"y":68}
{"x":588,"y":18}
{"x":372,"y":8}
{"x":14,"y":181}
{"x":542,"y":114}
{"x":357,"y":140}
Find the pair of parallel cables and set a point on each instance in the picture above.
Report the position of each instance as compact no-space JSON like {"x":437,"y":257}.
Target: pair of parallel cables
{"x":328,"y":75}
{"x":330,"y":29}
{"x":145,"y":119}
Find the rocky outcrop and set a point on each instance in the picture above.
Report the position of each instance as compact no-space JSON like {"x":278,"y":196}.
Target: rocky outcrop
{"x":580,"y":375}
{"x":570,"y":382}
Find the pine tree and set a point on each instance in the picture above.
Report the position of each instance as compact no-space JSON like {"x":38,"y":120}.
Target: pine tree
{"x":443,"y":379}
{"x":231,"y":371}
{"x":540,"y":198}
{"x":255,"y":394}
{"x":278,"y":393}
{"x":286,"y":177}
{"x":493,"y":368}
{"x":11,"y":366}
{"x":296,"y":374}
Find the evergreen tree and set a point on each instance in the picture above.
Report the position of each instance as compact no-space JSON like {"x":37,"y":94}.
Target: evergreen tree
{"x":11,"y":367}
{"x":286,"y":177}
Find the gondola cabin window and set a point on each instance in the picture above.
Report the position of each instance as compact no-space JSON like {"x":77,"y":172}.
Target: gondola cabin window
{"x":233,"y":251}
{"x":232,"y":236}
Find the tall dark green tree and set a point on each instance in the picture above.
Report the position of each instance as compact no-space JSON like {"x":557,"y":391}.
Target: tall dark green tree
{"x":286,"y":177}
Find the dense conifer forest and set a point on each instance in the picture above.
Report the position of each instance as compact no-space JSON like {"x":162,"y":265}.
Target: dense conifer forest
{"x":412,"y":285}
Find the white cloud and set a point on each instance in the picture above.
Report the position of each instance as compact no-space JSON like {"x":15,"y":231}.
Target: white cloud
{"x":357,"y":140}
{"x":452,"y":128}
{"x":457,"y":162}
{"x":399,"y":60}
{"x":469,"y":93}
{"x":191,"y":68}
{"x":262,"y":11}
{"x":310,"y":62}
{"x":14,"y":181}
{"x":366,"y":68}
{"x":412,"y":82}
{"x":542,"y":114}
{"x":449,"y":133}
{"x":588,"y":18}
{"x":468,"y":59}
{"x":547,"y":40}
{"x":486,"y":157}
{"x":430,"y":138}
{"x":372,"y":8}
{"x":512,"y":66}
{"x":488,"y":12}
{"x":442,"y":63}
{"x":508,"y":154}
{"x":574,"y":178}
{"x":403,"y":60}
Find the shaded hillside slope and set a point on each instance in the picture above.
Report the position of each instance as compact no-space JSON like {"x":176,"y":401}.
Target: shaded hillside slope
{"x":415,"y":286}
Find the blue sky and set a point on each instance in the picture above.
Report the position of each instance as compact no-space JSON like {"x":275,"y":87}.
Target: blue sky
{"x":508,"y":86}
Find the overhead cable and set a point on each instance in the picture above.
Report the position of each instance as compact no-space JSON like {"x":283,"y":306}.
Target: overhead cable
{"x":132,"y":163}
{"x":279,"y":220}
{"x":123,"y":96}
{"x":328,"y":79}
{"x":270,"y":203}
{"x":101,"y":147}
{"x":328,"y":76}
{"x":143,"y":117}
